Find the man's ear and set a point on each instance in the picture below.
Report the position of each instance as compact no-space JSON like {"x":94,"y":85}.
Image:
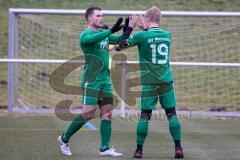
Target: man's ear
{"x":90,"y":18}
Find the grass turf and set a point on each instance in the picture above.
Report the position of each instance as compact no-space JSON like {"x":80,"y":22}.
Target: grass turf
{"x":196,"y":100}
{"x":35,"y":137}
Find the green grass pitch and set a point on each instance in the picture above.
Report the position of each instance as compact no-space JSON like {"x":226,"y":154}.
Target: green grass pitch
{"x":35,"y":137}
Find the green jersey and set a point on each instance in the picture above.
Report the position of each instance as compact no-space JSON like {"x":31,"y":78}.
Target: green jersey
{"x":96,"y":52}
{"x":154,"y":52}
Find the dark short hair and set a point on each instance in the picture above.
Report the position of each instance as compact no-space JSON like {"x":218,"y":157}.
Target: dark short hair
{"x":90,"y":11}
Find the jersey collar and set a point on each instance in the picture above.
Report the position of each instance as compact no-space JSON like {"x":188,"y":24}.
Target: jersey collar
{"x":154,"y":29}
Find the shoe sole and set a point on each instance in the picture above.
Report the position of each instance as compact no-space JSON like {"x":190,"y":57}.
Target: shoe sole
{"x":109,"y":155}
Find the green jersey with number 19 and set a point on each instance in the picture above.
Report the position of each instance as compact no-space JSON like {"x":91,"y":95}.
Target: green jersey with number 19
{"x":154,"y":52}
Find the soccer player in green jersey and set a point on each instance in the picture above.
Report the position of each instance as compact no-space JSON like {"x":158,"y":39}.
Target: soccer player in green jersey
{"x":96,"y":83}
{"x":156,"y":76}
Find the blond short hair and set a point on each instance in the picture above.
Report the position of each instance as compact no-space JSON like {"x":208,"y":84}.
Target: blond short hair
{"x":154,"y":14}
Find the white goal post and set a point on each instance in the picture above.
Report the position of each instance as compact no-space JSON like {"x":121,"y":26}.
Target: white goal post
{"x":205,"y":54}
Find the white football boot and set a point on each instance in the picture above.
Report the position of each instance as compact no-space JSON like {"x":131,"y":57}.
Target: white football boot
{"x":64,"y":147}
{"x":110,"y":153}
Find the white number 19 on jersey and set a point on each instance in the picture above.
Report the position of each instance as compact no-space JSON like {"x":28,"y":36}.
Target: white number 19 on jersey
{"x":161,"y":49}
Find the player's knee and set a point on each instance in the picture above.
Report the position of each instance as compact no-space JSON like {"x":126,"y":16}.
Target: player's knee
{"x":146,"y":114}
{"x":89,"y":114}
{"x":107,"y":116}
{"x":87,"y":117}
{"x":106,"y":110}
{"x":170,"y":112}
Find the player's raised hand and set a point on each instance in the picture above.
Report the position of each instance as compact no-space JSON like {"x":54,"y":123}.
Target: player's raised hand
{"x":126,"y":24}
{"x":141,"y":23}
{"x":117,"y":26}
{"x":133,"y":21}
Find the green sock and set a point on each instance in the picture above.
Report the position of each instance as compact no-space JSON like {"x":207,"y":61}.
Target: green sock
{"x":76,"y":124}
{"x":175,"y":128}
{"x":142,"y":131}
{"x":105,"y":131}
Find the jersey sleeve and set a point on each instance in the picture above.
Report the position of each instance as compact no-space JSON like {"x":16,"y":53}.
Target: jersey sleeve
{"x":88,"y":38}
{"x":114,"y":38}
{"x":134,"y":39}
